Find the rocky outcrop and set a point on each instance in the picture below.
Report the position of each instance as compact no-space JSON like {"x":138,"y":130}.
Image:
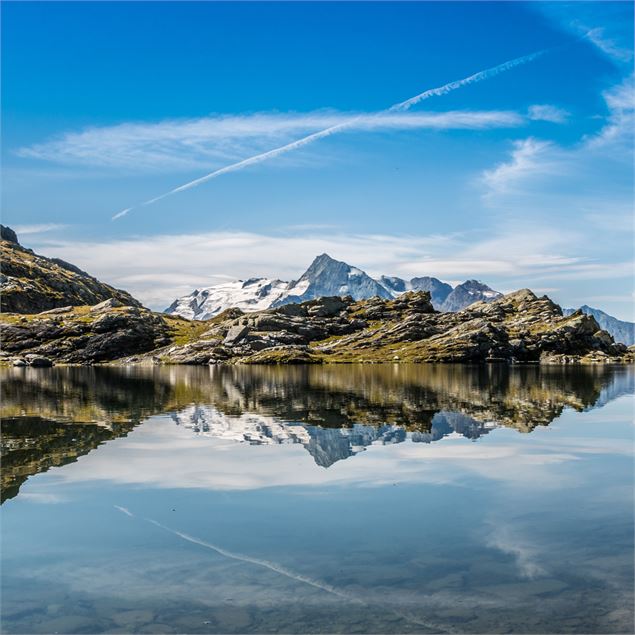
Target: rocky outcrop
{"x":621,"y":330}
{"x":81,"y":335}
{"x":30,"y":283}
{"x":6,"y":233}
{"x":518,"y":327}
{"x":467,"y":293}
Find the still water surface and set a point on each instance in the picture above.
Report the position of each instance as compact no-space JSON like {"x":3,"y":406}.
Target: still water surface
{"x":357,"y":499}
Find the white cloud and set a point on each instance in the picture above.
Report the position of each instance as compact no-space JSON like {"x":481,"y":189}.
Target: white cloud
{"x":528,"y":158}
{"x":590,"y":180}
{"x":37,"y":229}
{"x":547,"y":112}
{"x":157,"y":269}
{"x":608,"y":45}
{"x":606,"y":25}
{"x":620,"y":126}
{"x":201,"y":143}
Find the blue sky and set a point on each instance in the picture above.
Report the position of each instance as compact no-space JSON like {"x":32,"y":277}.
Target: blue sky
{"x":521,"y":179}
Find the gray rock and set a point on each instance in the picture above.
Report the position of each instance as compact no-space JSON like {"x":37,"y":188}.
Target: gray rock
{"x":111,"y":303}
{"x":62,"y":309}
{"x":6,"y":233}
{"x":235,"y":334}
{"x":38,"y":361}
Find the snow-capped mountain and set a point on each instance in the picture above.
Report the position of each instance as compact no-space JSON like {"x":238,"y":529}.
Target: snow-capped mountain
{"x":254,"y":294}
{"x":325,"y":277}
{"x":329,"y":277}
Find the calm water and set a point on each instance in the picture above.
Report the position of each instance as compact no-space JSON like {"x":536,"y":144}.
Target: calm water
{"x":357,"y":499}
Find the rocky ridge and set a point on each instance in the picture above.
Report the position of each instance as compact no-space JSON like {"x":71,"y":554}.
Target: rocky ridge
{"x":519,"y":327}
{"x":30,"y":283}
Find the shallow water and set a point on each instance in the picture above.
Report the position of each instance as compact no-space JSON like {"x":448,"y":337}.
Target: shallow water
{"x":357,"y":499}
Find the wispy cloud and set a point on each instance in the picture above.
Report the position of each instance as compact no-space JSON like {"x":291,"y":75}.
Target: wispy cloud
{"x":527,"y":158}
{"x":608,"y":45}
{"x":547,"y":112}
{"x":194,"y":144}
{"x":156,"y":269}
{"x":535,"y":166}
{"x":38,"y":229}
{"x":327,"y":132}
{"x":606,"y":25}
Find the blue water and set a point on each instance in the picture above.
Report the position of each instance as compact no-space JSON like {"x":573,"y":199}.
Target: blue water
{"x":375,"y":499}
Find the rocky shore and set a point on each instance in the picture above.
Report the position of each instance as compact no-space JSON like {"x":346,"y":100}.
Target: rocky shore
{"x":517,"y":328}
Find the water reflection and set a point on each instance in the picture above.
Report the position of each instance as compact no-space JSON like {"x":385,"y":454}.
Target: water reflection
{"x":52,"y":416}
{"x":328,"y":499}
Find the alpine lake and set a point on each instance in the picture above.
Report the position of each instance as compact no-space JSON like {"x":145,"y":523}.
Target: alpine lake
{"x":390,"y":498}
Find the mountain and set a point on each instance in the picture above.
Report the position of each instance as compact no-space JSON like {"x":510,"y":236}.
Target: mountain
{"x":254,"y":294}
{"x":325,"y":277}
{"x":467,"y":293}
{"x":439,"y":291}
{"x":328,"y":277}
{"x":30,"y":283}
{"x":621,"y":330}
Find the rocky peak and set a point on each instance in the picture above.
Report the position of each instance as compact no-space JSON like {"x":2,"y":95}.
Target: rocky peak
{"x":324,"y":265}
{"x":6,"y":233}
{"x":329,"y":277}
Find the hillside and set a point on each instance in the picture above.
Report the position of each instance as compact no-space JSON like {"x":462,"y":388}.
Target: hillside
{"x":30,"y":283}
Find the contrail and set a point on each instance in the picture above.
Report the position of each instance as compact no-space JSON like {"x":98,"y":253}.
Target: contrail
{"x":124,"y":510}
{"x":472,"y":79}
{"x":401,"y":106}
{"x":277,"y":568}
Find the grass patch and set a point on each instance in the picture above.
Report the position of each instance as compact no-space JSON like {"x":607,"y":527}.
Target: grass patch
{"x":184,"y":331}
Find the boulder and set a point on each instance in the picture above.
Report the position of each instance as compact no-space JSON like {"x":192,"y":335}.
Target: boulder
{"x":38,"y":361}
{"x":62,"y":309}
{"x":106,"y":305}
{"x":235,"y":334}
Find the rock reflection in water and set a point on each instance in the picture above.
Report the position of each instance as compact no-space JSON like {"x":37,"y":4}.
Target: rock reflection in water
{"x":52,"y":416}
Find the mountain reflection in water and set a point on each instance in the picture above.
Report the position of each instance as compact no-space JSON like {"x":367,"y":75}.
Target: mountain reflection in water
{"x":52,"y":416}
